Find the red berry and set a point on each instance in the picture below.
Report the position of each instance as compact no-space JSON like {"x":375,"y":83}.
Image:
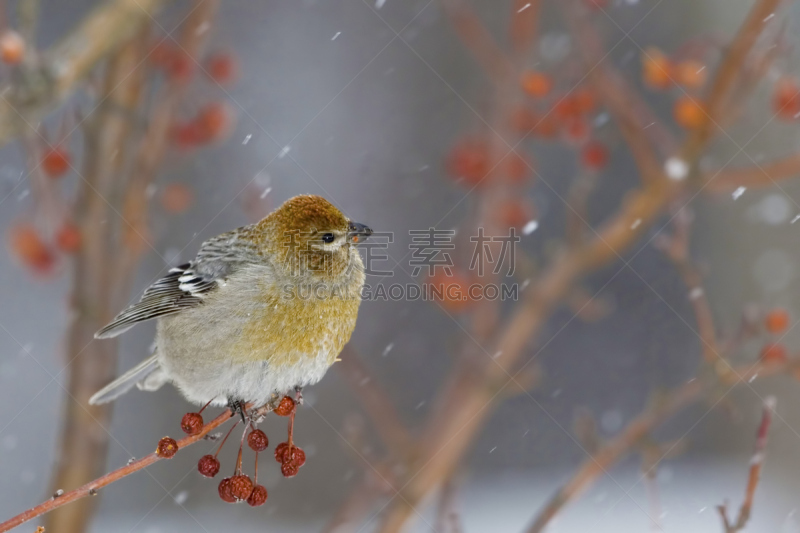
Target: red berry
{"x":55,"y":162}
{"x":241,"y":487}
{"x":257,"y":440}
{"x":299,"y":457}
{"x":222,"y":68}
{"x":12,"y":47}
{"x":289,"y":469}
{"x":258,"y":496}
{"x":280,"y":451}
{"x":469,"y":161}
{"x":286,"y":407}
{"x":786,"y":98}
{"x":208,"y":465}
{"x":68,"y":238}
{"x":225,"y":491}
{"x":25,"y":242}
{"x":594,"y":156}
{"x":192,"y":423}
{"x":777,"y":320}
{"x":167,"y":448}
{"x":773,"y":352}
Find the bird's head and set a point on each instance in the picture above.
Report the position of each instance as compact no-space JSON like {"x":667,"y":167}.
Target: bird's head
{"x":312,"y":235}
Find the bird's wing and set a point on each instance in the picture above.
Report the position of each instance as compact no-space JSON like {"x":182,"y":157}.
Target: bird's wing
{"x":187,"y":285}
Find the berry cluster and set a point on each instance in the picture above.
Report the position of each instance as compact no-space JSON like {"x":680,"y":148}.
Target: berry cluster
{"x":240,"y":487}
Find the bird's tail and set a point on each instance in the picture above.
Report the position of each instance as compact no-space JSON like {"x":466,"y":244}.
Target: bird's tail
{"x":148,"y":370}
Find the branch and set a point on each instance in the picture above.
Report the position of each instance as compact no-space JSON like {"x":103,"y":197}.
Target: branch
{"x":91,"y":488}
{"x":45,"y":83}
{"x":524,"y":25}
{"x":756,"y":463}
{"x":759,"y":176}
{"x":635,"y":431}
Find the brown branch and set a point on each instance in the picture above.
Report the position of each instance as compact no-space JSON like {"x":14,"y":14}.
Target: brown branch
{"x":756,"y":464}
{"x":476,"y":37}
{"x":524,"y":24}
{"x":755,"y":177}
{"x":635,"y":431}
{"x":91,"y":488}
{"x":48,"y":81}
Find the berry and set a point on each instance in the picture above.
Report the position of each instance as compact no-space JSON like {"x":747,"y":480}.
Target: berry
{"x":777,"y":320}
{"x":689,"y":113}
{"x":222,"y":68}
{"x":192,"y":423}
{"x":289,"y":469}
{"x":12,"y":47}
{"x":584,"y":100}
{"x":469,"y":161}
{"x":25,"y":242}
{"x":536,"y":84}
{"x":176,"y":198}
{"x":167,"y":448}
{"x":225,"y":491}
{"x":68,"y":238}
{"x":298,"y":457}
{"x":241,"y":487}
{"x":258,"y":496}
{"x":55,"y":162}
{"x":286,"y":407}
{"x":594,"y":156}
{"x":257,"y":440}
{"x":691,"y":74}
{"x":280,"y":451}
{"x":773,"y":352}
{"x":578,"y":129}
{"x":656,"y":69}
{"x":208,"y":465}
{"x":786,"y":98}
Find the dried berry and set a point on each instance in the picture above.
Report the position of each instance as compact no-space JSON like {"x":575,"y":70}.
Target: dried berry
{"x":656,"y":69}
{"x":222,"y":68}
{"x":536,"y":84}
{"x":192,"y":423}
{"x":68,"y":238}
{"x":286,"y":407}
{"x":55,"y":162}
{"x":208,"y":465}
{"x":225,"y":491}
{"x":241,"y":487}
{"x":280,"y":451}
{"x":689,"y":113}
{"x":258,"y":496}
{"x":257,"y":440}
{"x":298,"y":457}
{"x":167,"y":448}
{"x":289,"y":469}
{"x":27,"y":245}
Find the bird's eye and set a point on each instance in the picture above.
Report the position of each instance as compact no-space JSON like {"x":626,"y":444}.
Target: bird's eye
{"x":328,"y":238}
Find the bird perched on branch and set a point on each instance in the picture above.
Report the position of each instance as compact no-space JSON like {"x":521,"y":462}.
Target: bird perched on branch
{"x":261,"y":310}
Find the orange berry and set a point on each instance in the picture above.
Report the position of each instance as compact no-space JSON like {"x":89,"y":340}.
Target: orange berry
{"x":515,"y":213}
{"x":773,"y":352}
{"x":12,"y":47}
{"x":594,"y":156}
{"x":537,"y":84}
{"x":469,"y":161}
{"x":285,"y":407}
{"x":577,"y":129}
{"x":55,"y":162}
{"x":566,"y":108}
{"x":777,"y":320}
{"x":786,"y":98}
{"x":167,"y":448}
{"x":584,"y":100}
{"x":68,"y":238}
{"x":691,"y":74}
{"x":26,"y":244}
{"x":176,"y":198}
{"x":222,"y":68}
{"x":656,"y":69}
{"x":689,"y":113}
{"x":450,"y":291}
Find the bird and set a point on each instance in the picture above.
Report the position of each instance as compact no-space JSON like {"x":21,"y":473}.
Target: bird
{"x":261,"y":310}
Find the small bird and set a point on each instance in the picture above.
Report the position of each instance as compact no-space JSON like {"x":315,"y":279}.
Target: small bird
{"x":262,"y":310}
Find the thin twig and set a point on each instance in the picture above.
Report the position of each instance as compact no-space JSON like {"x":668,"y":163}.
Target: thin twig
{"x":756,"y":464}
{"x":91,"y":488}
{"x":763,"y":175}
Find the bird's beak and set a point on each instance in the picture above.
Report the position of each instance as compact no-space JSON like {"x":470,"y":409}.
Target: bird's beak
{"x":357,"y":232}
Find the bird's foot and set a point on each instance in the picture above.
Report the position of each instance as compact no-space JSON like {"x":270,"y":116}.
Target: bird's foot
{"x":238,"y":406}
{"x":298,"y":395}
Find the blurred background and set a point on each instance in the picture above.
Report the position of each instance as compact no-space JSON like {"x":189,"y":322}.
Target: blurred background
{"x":129,"y":142}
